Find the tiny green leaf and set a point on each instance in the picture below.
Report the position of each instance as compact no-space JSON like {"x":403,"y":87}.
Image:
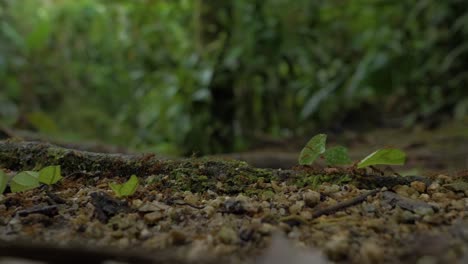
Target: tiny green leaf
{"x":127,"y":188}
{"x":3,"y":181}
{"x":313,"y":149}
{"x":24,"y":181}
{"x":50,"y":175}
{"x":337,"y":156}
{"x":387,"y":156}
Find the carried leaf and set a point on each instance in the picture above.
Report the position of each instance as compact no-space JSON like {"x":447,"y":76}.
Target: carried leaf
{"x":24,"y":181}
{"x":3,"y":181}
{"x":50,"y":175}
{"x":125,"y":189}
{"x":386,"y":156}
{"x":337,"y":156}
{"x":313,"y":149}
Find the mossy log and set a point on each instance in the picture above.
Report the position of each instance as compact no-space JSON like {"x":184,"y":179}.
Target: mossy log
{"x":24,"y":155}
{"x":187,"y":174}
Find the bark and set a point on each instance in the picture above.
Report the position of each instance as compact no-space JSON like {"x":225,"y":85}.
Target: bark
{"x":23,"y":155}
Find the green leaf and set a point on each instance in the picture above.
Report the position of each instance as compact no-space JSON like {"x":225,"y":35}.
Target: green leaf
{"x":313,"y":149}
{"x":387,"y":156}
{"x":50,"y":175}
{"x":337,"y":156}
{"x":3,"y":181}
{"x":125,"y":189}
{"x":24,"y":181}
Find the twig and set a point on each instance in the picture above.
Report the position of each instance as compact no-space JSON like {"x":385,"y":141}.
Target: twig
{"x":339,"y":206}
{"x":54,"y":198}
{"x":50,"y":210}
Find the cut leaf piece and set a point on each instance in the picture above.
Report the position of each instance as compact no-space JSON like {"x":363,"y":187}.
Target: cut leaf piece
{"x":386,"y":156}
{"x":337,"y":156}
{"x":125,"y":189}
{"x":313,"y":149}
{"x":3,"y":181}
{"x":50,"y":175}
{"x":24,"y":181}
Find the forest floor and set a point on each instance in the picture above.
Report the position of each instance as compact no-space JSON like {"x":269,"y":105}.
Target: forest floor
{"x":211,"y":210}
{"x":442,"y":149}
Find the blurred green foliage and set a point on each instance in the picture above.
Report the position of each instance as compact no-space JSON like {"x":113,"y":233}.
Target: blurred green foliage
{"x":177,"y":76}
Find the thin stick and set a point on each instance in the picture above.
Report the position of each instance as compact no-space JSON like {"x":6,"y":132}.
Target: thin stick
{"x":340,"y":206}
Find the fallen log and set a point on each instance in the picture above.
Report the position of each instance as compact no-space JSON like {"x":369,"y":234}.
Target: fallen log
{"x":24,"y":155}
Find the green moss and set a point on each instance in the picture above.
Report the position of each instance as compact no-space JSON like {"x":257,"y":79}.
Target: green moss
{"x":233,"y":177}
{"x":267,"y":195}
{"x":314,"y":181}
{"x":55,"y":153}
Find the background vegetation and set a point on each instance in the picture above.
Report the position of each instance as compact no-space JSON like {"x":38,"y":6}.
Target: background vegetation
{"x":177,"y":76}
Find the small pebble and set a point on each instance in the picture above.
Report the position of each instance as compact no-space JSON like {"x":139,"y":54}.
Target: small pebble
{"x":267,"y":195}
{"x":145,"y":234}
{"x":307,"y":215}
{"x":422,"y":211}
{"x":191,"y":198}
{"x":438,"y":197}
{"x":424,"y":197}
{"x":137,"y":203}
{"x":443,"y":178}
{"x":434,"y":187}
{"x":418,"y":186}
{"x":460,"y":186}
{"x":407,"y":217}
{"x":331,"y":189}
{"x":282,"y":211}
{"x":266,"y":229}
{"x":296,"y":207}
{"x":311,"y":198}
{"x":234,"y":206}
{"x":402,"y":190}
{"x":154,"y":217}
{"x":368,"y":208}
{"x":209,"y":210}
{"x":457,"y":205}
{"x":227,"y":235}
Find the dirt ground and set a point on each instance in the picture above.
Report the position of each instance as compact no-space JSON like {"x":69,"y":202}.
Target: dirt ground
{"x":212,"y":210}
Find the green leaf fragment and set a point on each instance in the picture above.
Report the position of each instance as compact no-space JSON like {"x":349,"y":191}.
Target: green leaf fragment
{"x":337,"y":156}
{"x":23,"y":181}
{"x":3,"y":181}
{"x":50,"y":175}
{"x":126,"y":189}
{"x":387,"y":156}
{"x":313,"y":149}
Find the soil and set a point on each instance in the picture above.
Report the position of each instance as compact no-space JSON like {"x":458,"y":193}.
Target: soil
{"x":211,"y":210}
